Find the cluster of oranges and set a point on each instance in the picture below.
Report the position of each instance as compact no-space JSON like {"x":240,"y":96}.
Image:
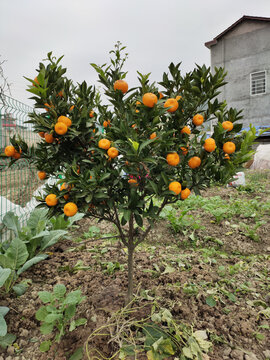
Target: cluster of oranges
{"x":10,"y":151}
{"x":105,"y":144}
{"x":70,"y":208}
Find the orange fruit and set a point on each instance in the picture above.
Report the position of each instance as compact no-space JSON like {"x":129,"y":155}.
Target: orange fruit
{"x":42,"y":175}
{"x":229,"y":147}
{"x":10,"y":150}
{"x":112,"y":152}
{"x":121,"y":85}
{"x":185,"y":193}
{"x":186,"y":130}
{"x":160,"y":95}
{"x":227,"y":125}
{"x":71,"y":108}
{"x":133,"y":182}
{"x":138,"y":102}
{"x":137,"y":111}
{"x":104,"y":144}
{"x":194,"y":162}
{"x":92,"y":113}
{"x":209,"y":145}
{"x":70,"y":209}
{"x":153,"y":135}
{"x":64,"y":186}
{"x":176,"y":187}
{"x":47,"y":106}
{"x":17,"y":155}
{"x":172,"y":104}
{"x":36,"y":82}
{"x":226,"y":156}
{"x":51,"y":200}
{"x":49,"y":138}
{"x":184,"y":150}
{"x":60,"y":93}
{"x":64,"y":120}
{"x":106,"y":123}
{"x":197,"y":119}
{"x":60,"y":128}
{"x":149,"y":99}
{"x":178,"y":97}
{"x":173,"y":159}
{"x":41,"y":134}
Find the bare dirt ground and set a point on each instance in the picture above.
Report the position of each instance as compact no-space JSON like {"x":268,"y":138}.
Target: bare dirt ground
{"x":179,"y":270}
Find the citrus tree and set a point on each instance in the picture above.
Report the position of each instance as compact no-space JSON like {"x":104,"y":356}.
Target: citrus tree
{"x":123,"y":160}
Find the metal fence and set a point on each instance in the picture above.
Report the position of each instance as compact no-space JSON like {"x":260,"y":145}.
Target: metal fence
{"x":18,"y":182}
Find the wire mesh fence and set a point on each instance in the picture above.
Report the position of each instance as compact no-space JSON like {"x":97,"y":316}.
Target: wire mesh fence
{"x":18,"y":182}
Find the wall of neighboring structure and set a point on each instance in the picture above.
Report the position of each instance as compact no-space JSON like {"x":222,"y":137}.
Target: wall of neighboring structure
{"x":242,"y":51}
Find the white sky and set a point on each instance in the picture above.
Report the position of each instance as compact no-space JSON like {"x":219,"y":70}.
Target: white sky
{"x":156,"y":32}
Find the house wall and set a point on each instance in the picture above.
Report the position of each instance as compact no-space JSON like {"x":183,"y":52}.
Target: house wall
{"x":242,"y":51}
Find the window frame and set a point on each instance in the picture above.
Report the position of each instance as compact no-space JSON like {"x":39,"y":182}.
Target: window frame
{"x":265,"y":82}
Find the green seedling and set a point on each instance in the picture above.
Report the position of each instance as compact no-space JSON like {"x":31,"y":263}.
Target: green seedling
{"x":74,"y":269}
{"x":5,"y":338}
{"x":58,"y":313}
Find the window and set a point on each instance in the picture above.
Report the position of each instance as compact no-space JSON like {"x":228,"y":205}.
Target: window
{"x":258,"y":83}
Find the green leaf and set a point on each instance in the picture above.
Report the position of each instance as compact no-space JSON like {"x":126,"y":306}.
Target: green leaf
{"x":46,"y":329}
{"x":37,"y":220}
{"x":51,"y":318}
{"x":70,"y":311}
{"x":5,"y":261}
{"x":41,"y":313}
{"x":210,"y":301}
{"x":11,"y":221}
{"x":59,"y":291}
{"x":73,"y":298}
{"x":4,"y":310}
{"x":187,"y":353}
{"x":7,"y":340}
{"x":17,"y":253}
{"x":45,"y":296}
{"x":144,"y":144}
{"x":4,"y":275}
{"x":20,"y":289}
{"x":52,"y":239}
{"x":45,"y":346}
{"x":32,"y":262}
{"x":78,"y":355}
{"x":3,"y":326}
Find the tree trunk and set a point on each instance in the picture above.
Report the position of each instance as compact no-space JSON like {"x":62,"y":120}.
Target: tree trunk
{"x":131,"y":248}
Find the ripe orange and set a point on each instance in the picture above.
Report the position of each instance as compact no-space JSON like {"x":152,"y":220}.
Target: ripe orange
{"x":172,"y":104}
{"x":70,"y":209}
{"x":153,"y":135}
{"x":71,"y":108}
{"x":112,"y":152}
{"x":149,"y":99}
{"x":49,"y":138}
{"x":227,"y":125}
{"x":60,"y":93}
{"x":178,"y":97}
{"x":185,"y":193}
{"x":64,"y":186}
{"x":133,"y":182}
{"x":209,"y":145}
{"x":121,"y":85}
{"x":42,"y":175}
{"x":92,"y":114}
{"x":176,"y":187}
{"x":64,"y":120}
{"x":160,"y":95}
{"x":36,"y":82}
{"x":138,"y":102}
{"x":194,"y":162}
{"x":186,"y":130}
{"x":184,"y":150}
{"x":173,"y":159}
{"x":137,"y":111}
{"x":104,"y":144}
{"x":17,"y":155}
{"x":229,"y":147}
{"x":10,"y":150}
{"x":197,"y":119}
{"x":60,"y":128}
{"x":51,"y":200}
{"x":106,"y":123}
{"x":226,"y":156}
{"x":41,"y":134}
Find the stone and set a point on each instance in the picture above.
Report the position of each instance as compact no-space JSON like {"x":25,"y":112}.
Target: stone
{"x":251,"y":356}
{"x":24,"y":333}
{"x":266,"y":353}
{"x":10,"y":350}
{"x":227,"y":351}
{"x":237,"y":355}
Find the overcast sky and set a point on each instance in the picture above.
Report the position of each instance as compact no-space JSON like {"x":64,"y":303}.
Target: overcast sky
{"x":156,"y":32}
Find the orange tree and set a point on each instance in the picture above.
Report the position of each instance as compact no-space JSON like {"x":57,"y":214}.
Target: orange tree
{"x":154,"y":149}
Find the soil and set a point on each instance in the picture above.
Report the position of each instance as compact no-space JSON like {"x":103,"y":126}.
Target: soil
{"x":178,"y":270}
